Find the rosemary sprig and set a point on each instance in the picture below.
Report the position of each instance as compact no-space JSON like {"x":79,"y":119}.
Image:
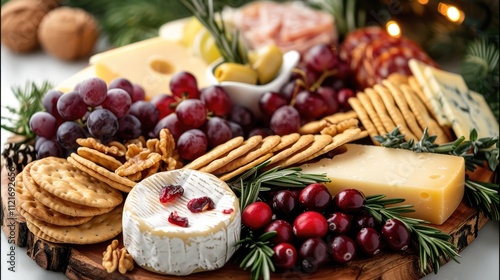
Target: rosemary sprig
{"x":229,"y":45}
{"x":251,"y":183}
{"x":432,"y":243}
{"x":258,"y":255}
{"x":29,"y":101}
{"x":475,"y":152}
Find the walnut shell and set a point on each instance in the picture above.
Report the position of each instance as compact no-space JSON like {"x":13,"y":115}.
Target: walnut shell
{"x":68,"y":33}
{"x":20,"y":22}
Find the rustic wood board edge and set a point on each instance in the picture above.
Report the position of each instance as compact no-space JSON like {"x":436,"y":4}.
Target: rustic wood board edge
{"x":84,"y":262}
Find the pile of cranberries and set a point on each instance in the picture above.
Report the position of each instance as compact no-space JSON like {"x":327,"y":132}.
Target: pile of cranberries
{"x":314,"y":228}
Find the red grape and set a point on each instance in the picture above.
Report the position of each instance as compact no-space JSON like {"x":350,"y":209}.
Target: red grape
{"x":117,"y":101}
{"x":285,"y":120}
{"x":310,"y":105}
{"x":138,"y":93}
{"x":321,"y":58}
{"x":192,"y":144}
{"x":68,"y":132}
{"x":129,"y":127}
{"x":50,"y":148}
{"x":146,"y":113}
{"x":165,"y":103}
{"x":242,"y":116}
{"x":236,"y":129}
{"x":216,"y":100}
{"x":343,"y":95}
{"x":329,"y":96}
{"x":270,"y":101}
{"x":172,"y":123}
{"x":71,"y":107}
{"x":93,"y":91}
{"x":102,"y":124}
{"x":121,"y":83}
{"x":218,"y":131}
{"x":192,"y":113}
{"x":184,"y":85}
{"x":49,"y":102}
{"x":43,"y":124}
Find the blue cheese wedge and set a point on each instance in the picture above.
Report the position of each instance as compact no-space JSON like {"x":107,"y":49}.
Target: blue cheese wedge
{"x":464,"y":108}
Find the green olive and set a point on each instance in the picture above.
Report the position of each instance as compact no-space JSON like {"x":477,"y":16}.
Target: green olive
{"x":267,"y":63}
{"x":235,"y":72}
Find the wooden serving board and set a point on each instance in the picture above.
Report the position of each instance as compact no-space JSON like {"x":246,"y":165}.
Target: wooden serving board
{"x":84,"y":261}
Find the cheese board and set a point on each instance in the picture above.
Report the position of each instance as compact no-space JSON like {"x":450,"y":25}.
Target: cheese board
{"x":84,"y":261}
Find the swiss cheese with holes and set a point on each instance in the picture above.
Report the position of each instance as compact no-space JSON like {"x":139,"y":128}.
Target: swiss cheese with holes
{"x":432,"y":183}
{"x":208,"y":241}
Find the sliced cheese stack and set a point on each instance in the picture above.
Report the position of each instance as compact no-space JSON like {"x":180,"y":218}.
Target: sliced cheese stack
{"x":162,"y":247}
{"x":432,"y":183}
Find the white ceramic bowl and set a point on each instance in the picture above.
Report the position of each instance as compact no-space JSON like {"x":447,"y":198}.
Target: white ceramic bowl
{"x":248,"y":95}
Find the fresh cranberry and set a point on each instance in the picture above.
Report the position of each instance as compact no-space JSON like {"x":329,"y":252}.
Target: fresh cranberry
{"x":313,"y":253}
{"x":284,"y":202}
{"x":363,"y":219}
{"x":310,"y":224}
{"x":396,"y":235}
{"x":285,"y":256}
{"x":369,"y":241}
{"x":339,"y":223}
{"x":315,"y":197}
{"x":284,"y":231}
{"x":257,"y":215}
{"x":349,"y":201}
{"x":343,"y":249}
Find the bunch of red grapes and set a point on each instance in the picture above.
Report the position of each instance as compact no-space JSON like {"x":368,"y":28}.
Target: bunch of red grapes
{"x":117,"y":111}
{"x":314,"y":228}
{"x":318,"y":87}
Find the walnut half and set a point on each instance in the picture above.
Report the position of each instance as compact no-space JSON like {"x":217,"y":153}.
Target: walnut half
{"x":114,"y":258}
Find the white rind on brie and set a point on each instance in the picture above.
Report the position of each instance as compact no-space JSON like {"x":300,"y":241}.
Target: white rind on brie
{"x":157,"y":245}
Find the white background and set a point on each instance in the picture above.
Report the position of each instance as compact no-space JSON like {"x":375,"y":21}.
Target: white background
{"x":478,"y":261}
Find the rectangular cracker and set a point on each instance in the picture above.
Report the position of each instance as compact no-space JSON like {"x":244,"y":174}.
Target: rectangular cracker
{"x":367,"y":104}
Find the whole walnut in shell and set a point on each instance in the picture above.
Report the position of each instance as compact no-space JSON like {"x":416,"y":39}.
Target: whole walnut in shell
{"x":68,"y":33}
{"x":20,"y":22}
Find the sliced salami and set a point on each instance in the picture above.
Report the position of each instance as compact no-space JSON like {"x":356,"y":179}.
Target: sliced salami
{"x":359,"y":36}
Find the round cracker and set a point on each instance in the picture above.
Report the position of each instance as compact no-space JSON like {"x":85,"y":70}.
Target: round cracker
{"x":215,"y":153}
{"x":40,"y":234}
{"x":103,"y":171}
{"x":98,"y":176}
{"x":64,"y":180}
{"x":28,"y":203}
{"x":246,"y":146}
{"x":100,"y":228}
{"x":99,"y":158}
{"x":56,"y":203}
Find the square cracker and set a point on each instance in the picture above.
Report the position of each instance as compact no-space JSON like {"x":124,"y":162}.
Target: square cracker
{"x":65,"y":181}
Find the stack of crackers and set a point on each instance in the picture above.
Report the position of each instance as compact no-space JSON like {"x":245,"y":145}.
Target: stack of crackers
{"x":62,"y":204}
{"x":239,"y":155}
{"x":397,"y":102}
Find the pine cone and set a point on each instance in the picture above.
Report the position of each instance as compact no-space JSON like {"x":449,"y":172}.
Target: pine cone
{"x":18,"y":155}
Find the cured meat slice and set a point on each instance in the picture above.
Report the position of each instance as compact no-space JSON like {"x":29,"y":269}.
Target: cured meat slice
{"x":359,"y":36}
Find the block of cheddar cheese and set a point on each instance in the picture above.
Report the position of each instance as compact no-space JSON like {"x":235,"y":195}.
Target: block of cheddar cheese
{"x":432,"y":183}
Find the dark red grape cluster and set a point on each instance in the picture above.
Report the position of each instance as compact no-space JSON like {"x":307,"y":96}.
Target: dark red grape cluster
{"x":315,"y":228}
{"x":94,"y":108}
{"x":318,"y":87}
{"x":199,"y":119}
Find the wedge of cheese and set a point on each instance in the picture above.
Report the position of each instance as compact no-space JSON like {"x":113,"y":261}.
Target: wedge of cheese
{"x":150,"y":63}
{"x":207,"y":243}
{"x":432,"y":183}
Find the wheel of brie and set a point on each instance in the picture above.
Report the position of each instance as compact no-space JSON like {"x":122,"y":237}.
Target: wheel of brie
{"x":158,"y":245}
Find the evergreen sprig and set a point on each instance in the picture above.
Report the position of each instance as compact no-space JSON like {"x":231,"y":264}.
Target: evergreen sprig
{"x":475,"y":151}
{"x":432,"y":243}
{"x":258,"y":254}
{"x":29,"y":99}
